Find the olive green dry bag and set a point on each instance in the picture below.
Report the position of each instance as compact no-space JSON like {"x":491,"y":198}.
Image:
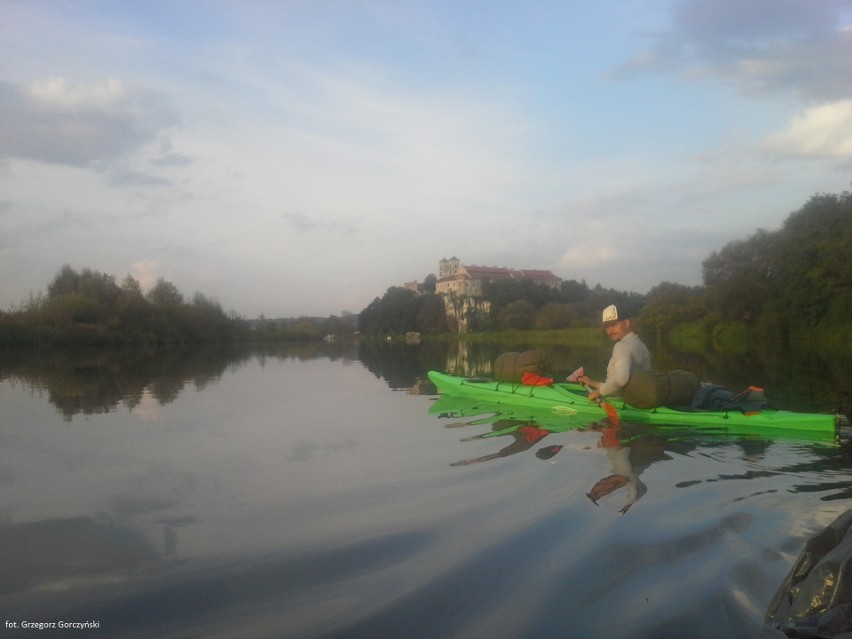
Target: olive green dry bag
{"x":649,"y":389}
{"x":510,"y":367}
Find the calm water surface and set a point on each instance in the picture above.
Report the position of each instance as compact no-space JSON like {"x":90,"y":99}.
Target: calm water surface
{"x":319,"y":495}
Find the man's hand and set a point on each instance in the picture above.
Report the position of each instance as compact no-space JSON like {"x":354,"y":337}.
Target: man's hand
{"x":588,"y":382}
{"x":592,"y":385}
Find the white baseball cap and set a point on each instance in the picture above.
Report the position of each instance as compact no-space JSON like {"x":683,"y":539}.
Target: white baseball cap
{"x":610,"y":314}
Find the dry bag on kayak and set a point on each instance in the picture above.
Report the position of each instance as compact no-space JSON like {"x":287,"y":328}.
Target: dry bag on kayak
{"x":510,"y":367}
{"x":649,"y":389}
{"x":684,"y":385}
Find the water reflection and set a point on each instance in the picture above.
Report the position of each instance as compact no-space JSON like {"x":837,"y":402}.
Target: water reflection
{"x":625,"y":471}
{"x":297,"y":496}
{"x":90,"y":382}
{"x":525,"y":434}
{"x":58,"y":554}
{"x":403,"y":366}
{"x":805,"y":376}
{"x":632,"y":448}
{"x":97,"y":381}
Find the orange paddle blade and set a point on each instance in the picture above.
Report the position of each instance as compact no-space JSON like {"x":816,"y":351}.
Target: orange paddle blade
{"x":610,"y":411}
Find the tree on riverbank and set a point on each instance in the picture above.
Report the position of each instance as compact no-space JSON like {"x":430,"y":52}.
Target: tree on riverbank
{"x":88,"y":307}
{"x":400,"y":311}
{"x":791,"y":283}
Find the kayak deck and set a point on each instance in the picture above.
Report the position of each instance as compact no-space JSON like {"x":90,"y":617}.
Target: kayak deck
{"x":573,"y":397}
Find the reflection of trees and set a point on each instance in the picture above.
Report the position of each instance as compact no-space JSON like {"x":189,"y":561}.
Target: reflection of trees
{"x":400,"y":365}
{"x":96,"y":381}
{"x":471,"y":358}
{"x":464,"y":359}
{"x":803,"y":376}
{"x":306,"y":350}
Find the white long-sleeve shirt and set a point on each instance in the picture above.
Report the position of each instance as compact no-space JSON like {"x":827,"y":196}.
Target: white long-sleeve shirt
{"x":629,"y":354}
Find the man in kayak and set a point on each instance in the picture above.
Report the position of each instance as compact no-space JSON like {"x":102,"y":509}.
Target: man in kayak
{"x":629,"y":354}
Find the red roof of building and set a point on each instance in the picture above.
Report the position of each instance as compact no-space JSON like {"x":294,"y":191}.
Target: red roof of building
{"x":500,"y":272}
{"x":488,"y":271}
{"x":538,"y":274}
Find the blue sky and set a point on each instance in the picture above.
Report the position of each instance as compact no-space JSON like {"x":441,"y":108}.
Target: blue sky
{"x":298,"y":158}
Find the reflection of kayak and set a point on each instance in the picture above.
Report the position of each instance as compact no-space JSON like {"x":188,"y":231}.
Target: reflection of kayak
{"x":560,"y":419}
{"x":572,"y":397}
{"x":555,"y":419}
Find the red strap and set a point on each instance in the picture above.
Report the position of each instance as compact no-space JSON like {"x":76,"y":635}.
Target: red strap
{"x":534,"y":379}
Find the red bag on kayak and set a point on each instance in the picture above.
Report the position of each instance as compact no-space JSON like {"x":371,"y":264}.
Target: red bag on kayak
{"x":534,"y":379}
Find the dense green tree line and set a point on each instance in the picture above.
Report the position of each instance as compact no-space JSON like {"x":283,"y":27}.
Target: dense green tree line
{"x":791,"y":283}
{"x":526,"y":305}
{"x":801,"y":275}
{"x":90,"y":308}
{"x":400,"y":310}
{"x":302,"y":329}
{"x":512,"y":305}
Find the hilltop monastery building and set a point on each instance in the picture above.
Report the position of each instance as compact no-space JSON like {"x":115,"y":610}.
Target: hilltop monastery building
{"x":466,"y":281}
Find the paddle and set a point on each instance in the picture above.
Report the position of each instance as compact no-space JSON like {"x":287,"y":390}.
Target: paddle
{"x":534,"y":379}
{"x":608,"y":408}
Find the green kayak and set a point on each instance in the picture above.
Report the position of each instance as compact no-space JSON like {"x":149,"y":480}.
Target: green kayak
{"x":570,"y":399}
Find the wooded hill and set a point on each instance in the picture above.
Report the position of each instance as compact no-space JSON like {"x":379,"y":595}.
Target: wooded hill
{"x":789,"y":283}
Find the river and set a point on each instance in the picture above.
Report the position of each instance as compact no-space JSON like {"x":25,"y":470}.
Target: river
{"x":318,"y":492}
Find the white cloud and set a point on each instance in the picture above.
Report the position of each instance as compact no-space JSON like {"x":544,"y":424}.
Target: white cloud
{"x":823,"y":131}
{"x":56,"y":121}
{"x":146,"y":272}
{"x":57,"y":94}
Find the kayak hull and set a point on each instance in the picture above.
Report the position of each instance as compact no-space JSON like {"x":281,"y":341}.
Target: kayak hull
{"x":571,"y":398}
